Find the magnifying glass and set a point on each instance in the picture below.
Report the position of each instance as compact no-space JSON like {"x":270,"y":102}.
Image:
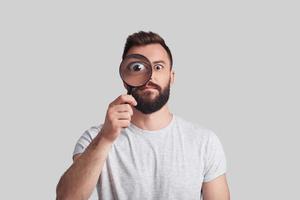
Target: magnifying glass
{"x":135,"y":70}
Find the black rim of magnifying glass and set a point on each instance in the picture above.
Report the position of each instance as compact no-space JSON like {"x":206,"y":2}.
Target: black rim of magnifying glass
{"x":130,"y":87}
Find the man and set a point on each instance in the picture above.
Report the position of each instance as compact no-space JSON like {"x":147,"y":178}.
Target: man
{"x":142,"y":150}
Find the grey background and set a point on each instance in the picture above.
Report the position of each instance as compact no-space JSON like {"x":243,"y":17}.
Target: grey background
{"x":237,"y":72}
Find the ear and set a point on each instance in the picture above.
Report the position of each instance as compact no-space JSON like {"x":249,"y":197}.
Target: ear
{"x":172,"y":76}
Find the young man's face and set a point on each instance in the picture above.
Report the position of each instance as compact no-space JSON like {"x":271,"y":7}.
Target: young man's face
{"x":155,"y":94}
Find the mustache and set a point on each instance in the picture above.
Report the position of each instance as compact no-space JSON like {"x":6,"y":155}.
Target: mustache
{"x":150,"y":85}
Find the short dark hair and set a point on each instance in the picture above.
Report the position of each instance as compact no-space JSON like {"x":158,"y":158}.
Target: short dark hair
{"x":143,"y":38}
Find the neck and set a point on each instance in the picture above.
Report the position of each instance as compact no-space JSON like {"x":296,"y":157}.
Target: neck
{"x":153,"y":121}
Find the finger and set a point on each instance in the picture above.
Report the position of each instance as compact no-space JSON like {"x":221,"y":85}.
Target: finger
{"x":123,"y":108}
{"x":123,"y":116}
{"x":125,"y":98}
{"x":124,"y":123}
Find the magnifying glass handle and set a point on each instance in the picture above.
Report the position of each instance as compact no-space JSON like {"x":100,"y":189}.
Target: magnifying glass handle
{"x":129,"y":90}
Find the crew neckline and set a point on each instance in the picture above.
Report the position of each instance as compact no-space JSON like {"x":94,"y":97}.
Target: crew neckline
{"x":140,"y":130}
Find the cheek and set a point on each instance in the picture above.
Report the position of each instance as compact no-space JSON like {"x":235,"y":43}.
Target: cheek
{"x":165,"y":84}
{"x":164,"y":78}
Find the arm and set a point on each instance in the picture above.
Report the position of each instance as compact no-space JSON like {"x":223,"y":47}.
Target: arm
{"x":79,"y":181}
{"x":216,"y":189}
{"x":81,"y":178}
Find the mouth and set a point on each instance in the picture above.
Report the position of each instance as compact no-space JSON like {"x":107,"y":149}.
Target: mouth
{"x":148,"y":89}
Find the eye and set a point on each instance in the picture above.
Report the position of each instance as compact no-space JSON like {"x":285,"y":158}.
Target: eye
{"x":136,"y":67}
{"x":158,"y":67}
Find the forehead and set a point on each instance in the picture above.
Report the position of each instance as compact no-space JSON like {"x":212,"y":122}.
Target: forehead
{"x":154,"y":52}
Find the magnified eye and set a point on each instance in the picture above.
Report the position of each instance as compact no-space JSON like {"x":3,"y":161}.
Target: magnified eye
{"x":136,"y":67}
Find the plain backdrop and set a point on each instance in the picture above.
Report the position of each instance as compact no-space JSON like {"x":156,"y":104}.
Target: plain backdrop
{"x":237,"y":73}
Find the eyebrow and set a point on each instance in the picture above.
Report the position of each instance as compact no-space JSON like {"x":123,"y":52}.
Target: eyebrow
{"x":159,"y":61}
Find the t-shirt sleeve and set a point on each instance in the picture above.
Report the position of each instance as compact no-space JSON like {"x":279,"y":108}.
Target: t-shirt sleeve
{"x":86,"y":138}
{"x":215,"y":160}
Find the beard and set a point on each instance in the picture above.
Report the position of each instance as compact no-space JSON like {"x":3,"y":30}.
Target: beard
{"x":145,"y":103}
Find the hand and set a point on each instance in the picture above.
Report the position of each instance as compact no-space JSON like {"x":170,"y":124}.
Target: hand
{"x":118,"y":116}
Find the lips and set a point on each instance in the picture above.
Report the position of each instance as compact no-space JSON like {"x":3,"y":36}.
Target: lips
{"x":149,"y":88}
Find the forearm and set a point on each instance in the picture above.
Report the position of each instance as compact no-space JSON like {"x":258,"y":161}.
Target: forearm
{"x":80,"y":179}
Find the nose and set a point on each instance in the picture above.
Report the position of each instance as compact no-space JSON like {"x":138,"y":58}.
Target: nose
{"x":153,"y":75}
{"x":151,"y":81}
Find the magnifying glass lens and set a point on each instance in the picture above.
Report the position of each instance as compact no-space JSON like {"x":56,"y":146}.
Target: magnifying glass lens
{"x":135,"y":70}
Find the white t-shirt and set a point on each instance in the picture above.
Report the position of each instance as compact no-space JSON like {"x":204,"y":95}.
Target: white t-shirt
{"x":167,"y":164}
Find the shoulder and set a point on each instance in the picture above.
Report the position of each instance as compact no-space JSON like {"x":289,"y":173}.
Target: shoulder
{"x":86,"y":138}
{"x":194,"y":129}
{"x":92,"y":132}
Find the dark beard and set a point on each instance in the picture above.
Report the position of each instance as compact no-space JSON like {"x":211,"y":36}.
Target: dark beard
{"x":150,"y":106}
